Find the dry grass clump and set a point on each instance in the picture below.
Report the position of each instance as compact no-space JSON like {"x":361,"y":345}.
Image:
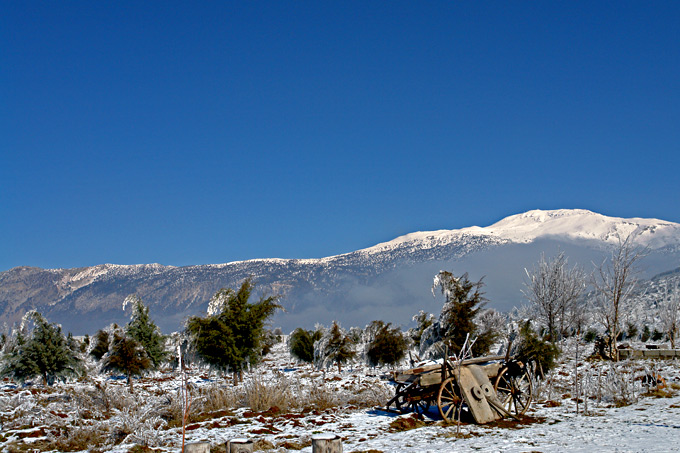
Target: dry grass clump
{"x":98,"y":402}
{"x":19,"y":409}
{"x":321,"y":397}
{"x":216,"y":398}
{"x":80,"y":439}
{"x":659,"y":392}
{"x":371,"y":396}
{"x":138,"y":424}
{"x":260,"y":396}
{"x":205,"y":405}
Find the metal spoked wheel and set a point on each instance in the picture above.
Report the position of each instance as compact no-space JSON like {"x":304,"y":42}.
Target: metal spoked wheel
{"x":448,"y":399}
{"x":514,"y":389}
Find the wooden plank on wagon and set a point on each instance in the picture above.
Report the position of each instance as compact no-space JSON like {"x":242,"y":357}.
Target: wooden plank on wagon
{"x":474,"y":396}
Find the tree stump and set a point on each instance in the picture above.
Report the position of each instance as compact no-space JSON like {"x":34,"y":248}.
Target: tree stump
{"x":197,"y":447}
{"x":240,"y":446}
{"x":326,"y":443}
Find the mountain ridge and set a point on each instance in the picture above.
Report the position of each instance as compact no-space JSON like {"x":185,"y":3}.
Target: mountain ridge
{"x":391,"y":276}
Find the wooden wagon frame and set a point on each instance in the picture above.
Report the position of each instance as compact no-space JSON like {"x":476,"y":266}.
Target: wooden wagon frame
{"x":490,"y":387}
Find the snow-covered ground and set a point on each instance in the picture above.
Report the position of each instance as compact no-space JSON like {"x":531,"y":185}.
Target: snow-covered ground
{"x":99,"y":414}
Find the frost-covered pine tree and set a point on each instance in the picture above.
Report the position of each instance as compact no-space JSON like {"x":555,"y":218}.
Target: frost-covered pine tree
{"x":127,"y":356}
{"x":231,"y":335}
{"x":385,"y":345}
{"x":301,"y":344}
{"x":101,"y":344}
{"x":334,"y":347}
{"x":41,"y":351}
{"x":458,"y":319}
{"x":423,"y":320}
{"x":142,"y":329}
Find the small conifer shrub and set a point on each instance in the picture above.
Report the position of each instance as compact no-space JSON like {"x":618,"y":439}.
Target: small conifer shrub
{"x":301,"y":344}
{"x":127,"y":356}
{"x":590,"y":335}
{"x":101,"y":344}
{"x":388,"y":346}
{"x":533,"y":349}
{"x":232,"y":334}
{"x":334,"y":347}
{"x":142,"y":329}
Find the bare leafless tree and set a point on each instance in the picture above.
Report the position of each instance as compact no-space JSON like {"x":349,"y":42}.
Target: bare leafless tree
{"x":554,"y":290}
{"x":669,"y":312}
{"x":614,"y":280}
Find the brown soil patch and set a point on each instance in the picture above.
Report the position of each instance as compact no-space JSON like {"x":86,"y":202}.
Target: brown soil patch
{"x":511,"y":423}
{"x":406,"y":423}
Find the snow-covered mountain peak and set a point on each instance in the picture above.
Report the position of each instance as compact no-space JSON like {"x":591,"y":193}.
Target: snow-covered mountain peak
{"x":581,"y":224}
{"x":565,"y":224}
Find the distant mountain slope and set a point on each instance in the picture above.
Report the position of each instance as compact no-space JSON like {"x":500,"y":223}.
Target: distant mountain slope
{"x":388,"y":281}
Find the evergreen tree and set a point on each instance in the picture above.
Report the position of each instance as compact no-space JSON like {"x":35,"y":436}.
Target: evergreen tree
{"x":127,"y":356}
{"x":301,"y":344}
{"x":85,"y":343}
{"x":231,"y":335}
{"x":464,"y":299}
{"x":533,"y":349}
{"x":423,"y":321}
{"x":631,"y":331}
{"x":334,"y":347}
{"x":646,"y":334}
{"x":16,"y":363}
{"x":388,"y":345}
{"x":101,"y":344}
{"x":145,"y":331}
{"x":46,"y":353}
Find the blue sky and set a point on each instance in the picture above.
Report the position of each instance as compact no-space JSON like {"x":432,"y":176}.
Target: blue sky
{"x":185,"y":133}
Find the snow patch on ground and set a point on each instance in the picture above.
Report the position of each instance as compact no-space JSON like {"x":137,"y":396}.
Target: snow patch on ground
{"x":37,"y":416}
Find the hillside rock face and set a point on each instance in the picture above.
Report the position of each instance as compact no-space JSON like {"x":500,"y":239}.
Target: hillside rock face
{"x":389,"y":281}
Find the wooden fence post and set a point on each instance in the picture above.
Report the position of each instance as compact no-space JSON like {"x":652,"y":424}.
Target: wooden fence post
{"x":240,"y":446}
{"x":197,"y":447}
{"x":326,"y":443}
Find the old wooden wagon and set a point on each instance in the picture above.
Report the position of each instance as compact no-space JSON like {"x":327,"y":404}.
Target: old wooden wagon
{"x":487,"y":387}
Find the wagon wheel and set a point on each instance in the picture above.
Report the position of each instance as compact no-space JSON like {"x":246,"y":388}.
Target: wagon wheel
{"x":514,"y":390}
{"x":400,"y":398}
{"x":420,"y":406}
{"x":404,"y":404}
{"x":448,"y":399}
